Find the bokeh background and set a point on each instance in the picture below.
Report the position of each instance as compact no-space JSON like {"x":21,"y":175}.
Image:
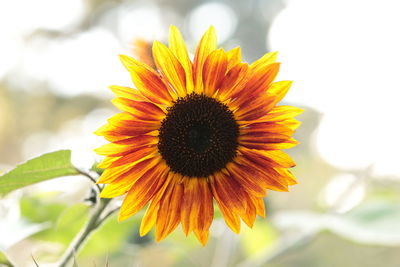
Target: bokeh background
{"x":57,"y":58}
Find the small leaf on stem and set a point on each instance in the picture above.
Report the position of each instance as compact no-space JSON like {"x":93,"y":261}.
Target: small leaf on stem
{"x":44,"y":167}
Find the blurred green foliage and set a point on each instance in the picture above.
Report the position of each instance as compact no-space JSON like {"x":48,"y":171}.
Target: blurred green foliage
{"x":4,"y":260}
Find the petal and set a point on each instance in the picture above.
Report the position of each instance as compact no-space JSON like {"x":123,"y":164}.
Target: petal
{"x":214,"y":71}
{"x":135,"y":156}
{"x":206,"y":212}
{"x":265,"y":60}
{"x":143,"y":191}
{"x":250,"y":214}
{"x":229,"y":191}
{"x":169,"y":214}
{"x":287,"y":175}
{"x":267,"y":127}
{"x":234,"y":57}
{"x":267,"y":136}
{"x":107,"y":162}
{"x":130,"y":125}
{"x":266,"y":175}
{"x":178,"y":48}
{"x":234,"y":81}
{"x":272,"y":158}
{"x":150,"y":217}
{"x":127,"y":92}
{"x":139,"y":109}
{"x":126,"y":146}
{"x":248,"y":178}
{"x":170,"y":67}
{"x":254,"y":108}
{"x":279,"y":89}
{"x":281,"y":113}
{"x":134,"y":169}
{"x":259,"y":204}
{"x":111,"y":133}
{"x":208,"y":43}
{"x":231,"y":218}
{"x":121,"y":129}
{"x":190,"y":206}
{"x":265,"y":142}
{"x":258,"y":83}
{"x":115,"y":189}
{"x":197,"y":210}
{"x":147,"y":81}
{"x":273,"y":145}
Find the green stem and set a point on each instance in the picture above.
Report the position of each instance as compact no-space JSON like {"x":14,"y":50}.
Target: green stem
{"x":94,"y":222}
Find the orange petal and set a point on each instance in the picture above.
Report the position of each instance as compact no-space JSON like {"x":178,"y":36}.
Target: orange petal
{"x":228,"y":191}
{"x":258,"y":83}
{"x":135,"y":156}
{"x":265,"y":175}
{"x":291,"y":123}
{"x":206,"y":212}
{"x":279,"y":89}
{"x":249,"y":215}
{"x":254,"y":108}
{"x":259,"y":204}
{"x":190,"y":206}
{"x":107,"y":162}
{"x":169,"y":214}
{"x":121,"y":130}
{"x":214,"y":71}
{"x":171,"y":68}
{"x":126,"y":146}
{"x":234,"y":81}
{"x":130,"y":124}
{"x":147,"y":81}
{"x":267,"y":136}
{"x":265,"y":60}
{"x":234,"y":57}
{"x":139,"y":109}
{"x":124,"y":179}
{"x":272,"y":158}
{"x":134,"y":169}
{"x":197,"y":211}
{"x":127,"y":92}
{"x":273,"y":145}
{"x":143,"y":191}
{"x":287,"y":175}
{"x":111,"y":133}
{"x":115,"y":190}
{"x":231,"y":218}
{"x":208,"y":43}
{"x":251,"y":183}
{"x":267,"y":127}
{"x":178,"y":48}
{"x":281,"y":113}
{"x":150,"y":217}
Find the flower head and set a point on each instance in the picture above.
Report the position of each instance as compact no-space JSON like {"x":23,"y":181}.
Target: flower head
{"x":195,"y":132}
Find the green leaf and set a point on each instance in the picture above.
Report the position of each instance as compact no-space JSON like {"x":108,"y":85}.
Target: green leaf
{"x":50,"y":210}
{"x":4,"y":260}
{"x":45,"y":167}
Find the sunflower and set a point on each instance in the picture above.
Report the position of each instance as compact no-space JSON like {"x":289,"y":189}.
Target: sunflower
{"x":197,"y":131}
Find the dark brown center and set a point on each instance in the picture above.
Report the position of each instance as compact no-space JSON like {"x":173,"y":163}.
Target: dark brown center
{"x":199,"y":136}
